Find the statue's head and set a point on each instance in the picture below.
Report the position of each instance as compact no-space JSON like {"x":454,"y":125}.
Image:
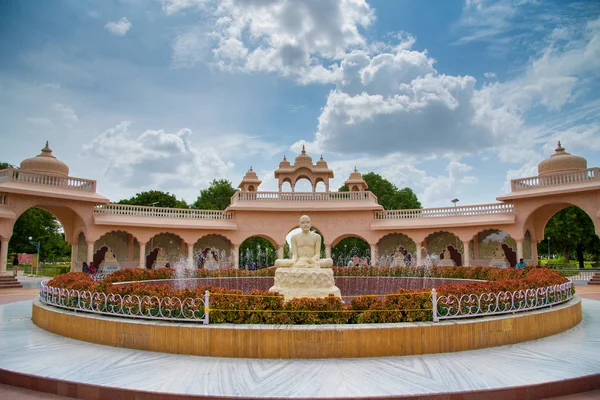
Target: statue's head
{"x":305,"y":223}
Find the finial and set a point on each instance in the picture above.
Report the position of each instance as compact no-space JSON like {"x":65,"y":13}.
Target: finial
{"x":303,"y":149}
{"x":251,"y":168}
{"x":559,"y":148}
{"x":49,"y":146}
{"x":46,"y":150}
{"x":284,"y":159}
{"x":321,"y":157}
{"x":355,"y":170}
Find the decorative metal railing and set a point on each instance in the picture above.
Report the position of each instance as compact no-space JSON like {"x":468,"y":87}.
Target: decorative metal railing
{"x":303,"y":196}
{"x":16,"y":175}
{"x":479,"y":305}
{"x":147,"y":211}
{"x":587,"y":175}
{"x":130,"y":306}
{"x":576,"y":274}
{"x":478,"y":209}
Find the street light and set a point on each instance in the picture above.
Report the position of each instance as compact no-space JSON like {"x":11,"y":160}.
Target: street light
{"x":37,"y":246}
{"x":548,"y":251}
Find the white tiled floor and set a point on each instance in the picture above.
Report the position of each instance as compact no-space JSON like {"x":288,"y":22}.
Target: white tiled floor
{"x":28,"y":349}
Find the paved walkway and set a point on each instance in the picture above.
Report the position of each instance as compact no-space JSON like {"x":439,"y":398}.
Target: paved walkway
{"x":28,"y":349}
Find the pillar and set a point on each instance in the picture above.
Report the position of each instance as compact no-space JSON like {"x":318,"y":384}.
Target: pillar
{"x":130,"y":246}
{"x":3,"y":255}
{"x":467,"y":253}
{"x":374,"y":255}
{"x":419,"y":255}
{"x":90,"y":252}
{"x":142,"y":255}
{"x":182,"y":247}
{"x":476,"y":247}
{"x":190,"y":255}
{"x":236,"y":256}
{"x":534,"y":252}
{"x":519,"y":249}
{"x":327,"y":251}
{"x":280,"y":252}
{"x":75,"y":267}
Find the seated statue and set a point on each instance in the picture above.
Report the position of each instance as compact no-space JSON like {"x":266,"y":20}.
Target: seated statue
{"x":306,"y":249}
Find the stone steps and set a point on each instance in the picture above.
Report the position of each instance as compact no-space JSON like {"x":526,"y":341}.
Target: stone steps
{"x":595,"y":279}
{"x":7,"y":282}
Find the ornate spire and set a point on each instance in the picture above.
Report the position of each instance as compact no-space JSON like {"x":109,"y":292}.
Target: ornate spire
{"x":559,"y":149}
{"x":303,"y":149}
{"x":321,"y":156}
{"x":251,"y":168}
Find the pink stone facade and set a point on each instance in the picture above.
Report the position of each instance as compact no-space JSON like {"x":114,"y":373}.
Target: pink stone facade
{"x":139,"y":235}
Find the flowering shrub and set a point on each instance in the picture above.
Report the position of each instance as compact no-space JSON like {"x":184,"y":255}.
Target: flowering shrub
{"x":262,"y":307}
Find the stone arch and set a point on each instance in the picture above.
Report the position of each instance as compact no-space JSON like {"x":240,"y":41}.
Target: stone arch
{"x":301,"y":178}
{"x":287,"y":188}
{"x":162,"y":248}
{"x":390,"y":246}
{"x":351,"y":248}
{"x":320,"y":184}
{"x":539,"y":216}
{"x":489,"y":241}
{"x":256,"y":257}
{"x":251,"y":188}
{"x":441,"y":242}
{"x":220,"y":246}
{"x":123,"y":244}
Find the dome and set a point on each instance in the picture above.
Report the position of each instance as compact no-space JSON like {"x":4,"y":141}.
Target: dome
{"x":561,"y":161}
{"x":322,"y":163}
{"x":303,"y":158}
{"x":355,"y":176}
{"x":284,"y":163}
{"x":250,"y":182}
{"x":45,"y":163}
{"x":251,"y":175}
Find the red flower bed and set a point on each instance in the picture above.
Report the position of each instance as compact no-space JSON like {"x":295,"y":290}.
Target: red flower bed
{"x":261,"y":307}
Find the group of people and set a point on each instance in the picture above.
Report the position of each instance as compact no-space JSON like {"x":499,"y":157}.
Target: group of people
{"x":90,"y":269}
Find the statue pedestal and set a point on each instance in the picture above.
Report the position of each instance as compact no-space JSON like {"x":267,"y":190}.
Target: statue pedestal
{"x":304,"y":282}
{"x":446,"y":263}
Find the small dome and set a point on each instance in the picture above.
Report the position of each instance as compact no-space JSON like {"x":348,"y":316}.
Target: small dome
{"x":355,"y":175}
{"x":322,"y":163}
{"x":561,"y":161}
{"x":284,"y":163}
{"x":250,"y":182}
{"x":303,"y":158}
{"x":45,"y":163}
{"x":250,"y":175}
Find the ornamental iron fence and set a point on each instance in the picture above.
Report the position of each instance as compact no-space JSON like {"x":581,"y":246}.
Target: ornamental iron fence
{"x":130,"y":306}
{"x":479,"y":305}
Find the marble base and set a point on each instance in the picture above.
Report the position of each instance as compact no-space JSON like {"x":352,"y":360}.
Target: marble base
{"x":446,"y":263}
{"x":304,"y":282}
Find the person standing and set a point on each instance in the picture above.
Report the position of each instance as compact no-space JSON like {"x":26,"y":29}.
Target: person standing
{"x":16,"y":265}
{"x":521,"y":264}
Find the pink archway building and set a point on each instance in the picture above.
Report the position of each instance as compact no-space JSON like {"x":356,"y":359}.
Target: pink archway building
{"x":134,"y":236}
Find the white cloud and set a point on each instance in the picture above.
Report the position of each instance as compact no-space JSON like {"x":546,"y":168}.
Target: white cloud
{"x":67,"y":114}
{"x":489,"y":75}
{"x":50,"y":85}
{"x":156,"y":158}
{"x":174,"y":6}
{"x":118,"y":28}
{"x":190,"y":48}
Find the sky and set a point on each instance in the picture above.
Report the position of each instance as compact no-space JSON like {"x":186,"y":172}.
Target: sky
{"x":450,"y":98}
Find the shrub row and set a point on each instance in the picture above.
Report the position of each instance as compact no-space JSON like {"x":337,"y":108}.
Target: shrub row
{"x":261,"y":307}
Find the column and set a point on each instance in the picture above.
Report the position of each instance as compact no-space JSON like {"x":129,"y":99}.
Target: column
{"x":280,"y":252}
{"x":3,"y":255}
{"x":236,"y":256}
{"x":467,"y":254}
{"x":419,"y":255}
{"x":534,"y":252}
{"x":142,"y":255}
{"x":519,"y":249}
{"x":182,"y":247}
{"x":476,"y":247}
{"x":90,"y":252}
{"x":327,"y":251}
{"x":190,"y":255}
{"x":374,"y":255}
{"x":130,"y":246}
{"x":75,"y":267}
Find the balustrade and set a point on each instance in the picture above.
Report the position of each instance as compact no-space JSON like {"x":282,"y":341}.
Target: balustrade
{"x":147,"y":211}
{"x":15,"y":175}
{"x":303,"y":196}
{"x":478,"y":209}
{"x":590,"y":174}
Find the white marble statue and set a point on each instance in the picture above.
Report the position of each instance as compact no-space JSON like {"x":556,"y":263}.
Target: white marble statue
{"x":305,"y":274}
{"x":306,"y":249}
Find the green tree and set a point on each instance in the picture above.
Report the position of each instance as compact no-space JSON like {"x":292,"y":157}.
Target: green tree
{"x":388,"y":195}
{"x":5,"y":165}
{"x":43,"y":227}
{"x":216,"y":197}
{"x":258,"y":252}
{"x":155,"y":198}
{"x":350,"y":247}
{"x":571,"y":231}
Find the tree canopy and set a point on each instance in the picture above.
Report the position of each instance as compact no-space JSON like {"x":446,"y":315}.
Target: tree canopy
{"x":216,"y":197}
{"x":155,"y":198}
{"x":5,"y":165}
{"x":388,"y":195}
{"x":570,"y":231}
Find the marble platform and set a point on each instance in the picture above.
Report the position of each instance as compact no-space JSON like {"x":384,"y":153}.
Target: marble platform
{"x":29,"y":350}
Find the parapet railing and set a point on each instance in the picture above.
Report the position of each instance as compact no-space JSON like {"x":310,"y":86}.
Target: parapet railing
{"x":590,"y":174}
{"x":3,"y":199}
{"x":147,"y":211}
{"x":303,"y":196}
{"x":130,"y":306}
{"x":479,"y":305}
{"x":16,"y":175}
{"x":478,"y":209}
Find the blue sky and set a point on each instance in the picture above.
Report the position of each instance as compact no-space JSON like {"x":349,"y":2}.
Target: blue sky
{"x":450,"y":98}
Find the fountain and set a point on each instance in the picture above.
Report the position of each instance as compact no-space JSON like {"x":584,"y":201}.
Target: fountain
{"x":305,"y":274}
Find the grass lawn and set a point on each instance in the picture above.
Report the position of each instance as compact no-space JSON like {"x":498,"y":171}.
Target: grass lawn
{"x":45,"y":269}
{"x":560,"y":263}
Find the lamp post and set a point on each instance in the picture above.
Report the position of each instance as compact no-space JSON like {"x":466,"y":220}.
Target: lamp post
{"x":548,"y":251}
{"x":37,"y":246}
